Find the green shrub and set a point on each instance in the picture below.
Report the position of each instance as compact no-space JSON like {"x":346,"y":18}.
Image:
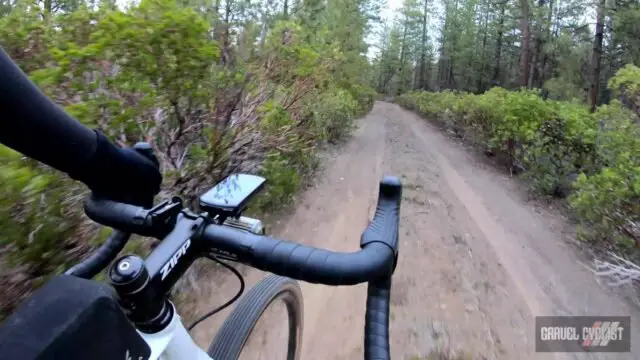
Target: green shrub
{"x":283,"y":181}
{"x":333,"y":115}
{"x":562,"y":147}
{"x":38,"y":218}
{"x":558,"y":142}
{"x":627,"y":83}
{"x":608,"y":200}
{"x":40,"y":224}
{"x":364,"y":96}
{"x":523,"y":114}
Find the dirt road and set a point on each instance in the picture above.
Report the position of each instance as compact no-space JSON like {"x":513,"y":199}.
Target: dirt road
{"x":477,"y":261}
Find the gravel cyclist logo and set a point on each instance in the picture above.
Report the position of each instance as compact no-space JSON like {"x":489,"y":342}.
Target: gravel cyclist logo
{"x":583,"y":334}
{"x":601,"y":333}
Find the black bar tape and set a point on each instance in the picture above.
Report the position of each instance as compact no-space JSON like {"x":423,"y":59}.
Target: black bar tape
{"x":321,"y":266}
{"x":298,"y":261}
{"x":376,"y":328}
{"x":124,"y":217}
{"x":384,"y":226}
{"x":99,"y":260}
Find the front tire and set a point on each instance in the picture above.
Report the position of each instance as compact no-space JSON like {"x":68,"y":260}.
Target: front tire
{"x":236,"y":329}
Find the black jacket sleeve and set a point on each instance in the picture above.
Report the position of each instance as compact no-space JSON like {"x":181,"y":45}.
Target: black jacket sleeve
{"x":33,"y":125}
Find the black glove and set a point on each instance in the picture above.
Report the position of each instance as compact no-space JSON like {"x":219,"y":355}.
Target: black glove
{"x":127,"y":175}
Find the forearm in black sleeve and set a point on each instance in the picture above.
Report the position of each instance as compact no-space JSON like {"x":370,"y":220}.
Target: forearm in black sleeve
{"x":33,"y":125}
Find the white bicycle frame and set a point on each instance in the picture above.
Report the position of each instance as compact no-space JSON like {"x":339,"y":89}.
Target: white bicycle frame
{"x":173,"y":343}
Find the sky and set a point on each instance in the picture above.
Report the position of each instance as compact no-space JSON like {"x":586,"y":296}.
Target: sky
{"x":392,"y":5}
{"x":387,"y":15}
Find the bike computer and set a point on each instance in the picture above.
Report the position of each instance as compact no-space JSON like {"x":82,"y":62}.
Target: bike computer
{"x":230,"y":197}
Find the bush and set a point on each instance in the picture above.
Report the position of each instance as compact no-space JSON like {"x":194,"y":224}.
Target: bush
{"x":34,"y":201}
{"x":608,"y":200}
{"x":155,"y":72}
{"x":40,"y":226}
{"x":283,"y":181}
{"x":626,"y":84}
{"x":520,"y":124}
{"x":333,"y":115}
{"x":365,"y":96}
{"x":562,"y":146}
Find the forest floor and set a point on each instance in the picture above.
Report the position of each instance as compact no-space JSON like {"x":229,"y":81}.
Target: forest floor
{"x":478,"y":259}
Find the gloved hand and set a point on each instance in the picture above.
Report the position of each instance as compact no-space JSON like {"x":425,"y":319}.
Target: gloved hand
{"x":128,"y":175}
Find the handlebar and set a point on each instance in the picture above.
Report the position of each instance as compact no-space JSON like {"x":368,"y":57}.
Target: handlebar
{"x":156,"y":222}
{"x":298,"y":261}
{"x":187,"y":236}
{"x":124,"y":217}
{"x":377,"y":257}
{"x":101,"y":258}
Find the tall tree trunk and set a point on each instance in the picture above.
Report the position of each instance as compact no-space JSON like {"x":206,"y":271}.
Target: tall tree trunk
{"x":380,"y":85}
{"x":428,"y":71}
{"x":423,"y":55}
{"x":534,"y":72}
{"x":610,"y":51}
{"x":524,"y":53}
{"x":227,"y":13}
{"x":285,"y":9}
{"x":225,"y":57}
{"x":401,"y":67}
{"x":533,"y":65}
{"x":445,"y":70}
{"x":480,"y":86}
{"x":383,"y":57}
{"x":555,"y":31}
{"x":451,"y":81}
{"x":216,"y":21}
{"x":543,"y":67}
{"x":48,"y":7}
{"x":496,"y":69}
{"x":597,"y":55}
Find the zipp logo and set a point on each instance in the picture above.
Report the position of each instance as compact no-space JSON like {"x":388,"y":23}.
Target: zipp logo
{"x":166,"y":269}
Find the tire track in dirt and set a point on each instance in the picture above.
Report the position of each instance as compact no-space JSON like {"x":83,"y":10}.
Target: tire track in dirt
{"x":477,"y":261}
